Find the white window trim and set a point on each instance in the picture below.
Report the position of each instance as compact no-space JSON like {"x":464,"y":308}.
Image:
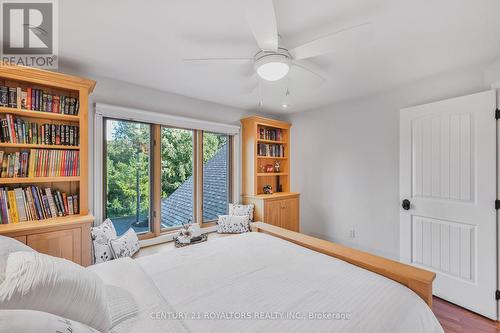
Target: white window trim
{"x":118,"y":112}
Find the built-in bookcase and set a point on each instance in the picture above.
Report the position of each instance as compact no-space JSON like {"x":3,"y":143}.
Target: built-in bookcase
{"x":266,"y":144}
{"x":69,"y":158}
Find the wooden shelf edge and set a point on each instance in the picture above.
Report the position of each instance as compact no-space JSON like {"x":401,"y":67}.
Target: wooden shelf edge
{"x":272,"y":157}
{"x":37,"y":146}
{"x":22,"y":180}
{"x":272,"y":142}
{"x":38,"y":114}
{"x":277,"y":195}
{"x":43,"y":224}
{"x":266,"y":174}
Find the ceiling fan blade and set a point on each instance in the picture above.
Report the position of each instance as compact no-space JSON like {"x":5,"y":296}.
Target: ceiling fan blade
{"x":213,"y":60}
{"x":262,"y":21}
{"x":342,"y":39}
{"x":304,"y":68}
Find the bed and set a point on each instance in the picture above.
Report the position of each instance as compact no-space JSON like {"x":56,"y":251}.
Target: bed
{"x":271,"y":280}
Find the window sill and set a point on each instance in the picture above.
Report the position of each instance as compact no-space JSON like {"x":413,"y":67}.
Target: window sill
{"x":169,"y":237}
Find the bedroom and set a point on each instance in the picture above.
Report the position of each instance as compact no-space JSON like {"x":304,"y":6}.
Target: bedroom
{"x":266,"y":165}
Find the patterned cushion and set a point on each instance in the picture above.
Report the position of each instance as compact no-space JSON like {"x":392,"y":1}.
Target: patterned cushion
{"x":101,"y":235}
{"x":233,"y":224}
{"x":241,"y":210}
{"x":126,"y":245}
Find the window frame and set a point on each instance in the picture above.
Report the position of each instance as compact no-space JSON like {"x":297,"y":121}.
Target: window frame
{"x":155,"y":172}
{"x":211,"y":223}
{"x":150,"y":233}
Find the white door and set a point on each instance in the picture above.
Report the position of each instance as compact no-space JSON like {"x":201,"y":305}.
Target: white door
{"x":448,"y":175}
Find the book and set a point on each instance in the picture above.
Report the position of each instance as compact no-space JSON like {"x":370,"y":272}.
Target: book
{"x":12,"y":97}
{"x":20,"y":204}
{"x":28,"y":98}
{"x":4,"y":96}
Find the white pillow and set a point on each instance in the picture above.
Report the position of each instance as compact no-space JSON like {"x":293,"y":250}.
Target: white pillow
{"x":241,"y":210}
{"x":41,"y":282}
{"x":101,"y":235}
{"x":7,"y":246}
{"x":126,"y":245}
{"x":29,"y":321}
{"x":233,"y":224}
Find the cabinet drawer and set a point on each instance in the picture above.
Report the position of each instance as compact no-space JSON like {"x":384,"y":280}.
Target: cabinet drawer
{"x":63,"y":243}
{"x":22,"y":239}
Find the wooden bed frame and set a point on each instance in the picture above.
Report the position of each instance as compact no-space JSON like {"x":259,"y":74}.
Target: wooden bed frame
{"x":418,"y":280}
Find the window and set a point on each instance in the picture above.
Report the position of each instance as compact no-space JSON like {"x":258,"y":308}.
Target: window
{"x":177,"y":183}
{"x":216,"y":167}
{"x":158,"y":177}
{"x":127,"y":173}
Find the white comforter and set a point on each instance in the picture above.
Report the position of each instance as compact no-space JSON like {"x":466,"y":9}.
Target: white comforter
{"x":269,"y":284}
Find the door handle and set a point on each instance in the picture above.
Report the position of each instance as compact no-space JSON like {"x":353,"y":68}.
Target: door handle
{"x":406,"y":204}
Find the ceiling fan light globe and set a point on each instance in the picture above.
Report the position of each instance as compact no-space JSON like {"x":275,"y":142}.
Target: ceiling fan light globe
{"x":273,"y":71}
{"x":272,"y":67}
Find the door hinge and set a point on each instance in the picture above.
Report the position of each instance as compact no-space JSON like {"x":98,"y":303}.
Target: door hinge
{"x":497,"y":204}
{"x":497,"y":295}
{"x":497,"y":114}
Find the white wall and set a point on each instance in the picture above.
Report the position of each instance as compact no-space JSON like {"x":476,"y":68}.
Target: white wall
{"x":345,"y":162}
{"x":121,"y":93}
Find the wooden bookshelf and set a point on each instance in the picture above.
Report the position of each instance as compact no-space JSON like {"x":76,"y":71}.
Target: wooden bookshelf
{"x":65,"y":236}
{"x":266,"y":142}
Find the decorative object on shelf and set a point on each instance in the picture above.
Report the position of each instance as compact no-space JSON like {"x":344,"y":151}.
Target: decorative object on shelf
{"x":195,"y":240}
{"x":269,"y":168}
{"x":277,"y":166}
{"x":268,"y":189}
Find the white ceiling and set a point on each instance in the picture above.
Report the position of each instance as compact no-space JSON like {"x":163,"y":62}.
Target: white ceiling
{"x":144,"y":42}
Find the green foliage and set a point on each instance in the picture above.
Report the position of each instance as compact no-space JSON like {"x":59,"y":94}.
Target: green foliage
{"x":128,"y":159}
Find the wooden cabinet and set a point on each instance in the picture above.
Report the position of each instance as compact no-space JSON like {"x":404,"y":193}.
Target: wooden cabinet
{"x":63,"y":244}
{"x":280,"y":209}
{"x":266,"y":163}
{"x":67,"y":237}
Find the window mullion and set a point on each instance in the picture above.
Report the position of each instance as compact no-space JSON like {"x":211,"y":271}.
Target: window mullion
{"x":156,"y":179}
{"x":199,"y":177}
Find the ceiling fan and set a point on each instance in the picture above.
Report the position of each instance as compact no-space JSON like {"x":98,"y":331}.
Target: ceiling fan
{"x":273,"y":61}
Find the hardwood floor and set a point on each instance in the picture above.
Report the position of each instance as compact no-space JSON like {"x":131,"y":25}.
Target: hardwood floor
{"x":455,"y":319}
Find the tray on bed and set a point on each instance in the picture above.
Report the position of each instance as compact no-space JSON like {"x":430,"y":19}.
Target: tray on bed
{"x":204,"y":238}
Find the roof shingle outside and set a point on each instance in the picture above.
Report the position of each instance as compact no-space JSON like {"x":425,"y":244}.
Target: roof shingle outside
{"x":178,"y":207}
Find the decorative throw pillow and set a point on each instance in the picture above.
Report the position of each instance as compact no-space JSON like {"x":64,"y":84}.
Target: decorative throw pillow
{"x":126,"y":245}
{"x":36,"y":281}
{"x":7,"y":246}
{"x":233,"y":224}
{"x":29,"y":321}
{"x":101,"y":235}
{"x":241,"y":210}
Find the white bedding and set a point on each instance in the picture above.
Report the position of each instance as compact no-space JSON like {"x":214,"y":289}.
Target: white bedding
{"x":261,"y":278}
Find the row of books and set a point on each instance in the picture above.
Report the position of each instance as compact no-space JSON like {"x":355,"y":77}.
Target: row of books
{"x":17,"y":130}
{"x":40,"y":163}
{"x":32,"y":203}
{"x":38,"y":100}
{"x":274,"y":134}
{"x":273,"y":150}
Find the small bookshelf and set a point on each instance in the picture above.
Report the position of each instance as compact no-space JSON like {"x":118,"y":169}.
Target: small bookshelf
{"x":266,"y":155}
{"x":266,"y":162}
{"x":43,"y":160}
